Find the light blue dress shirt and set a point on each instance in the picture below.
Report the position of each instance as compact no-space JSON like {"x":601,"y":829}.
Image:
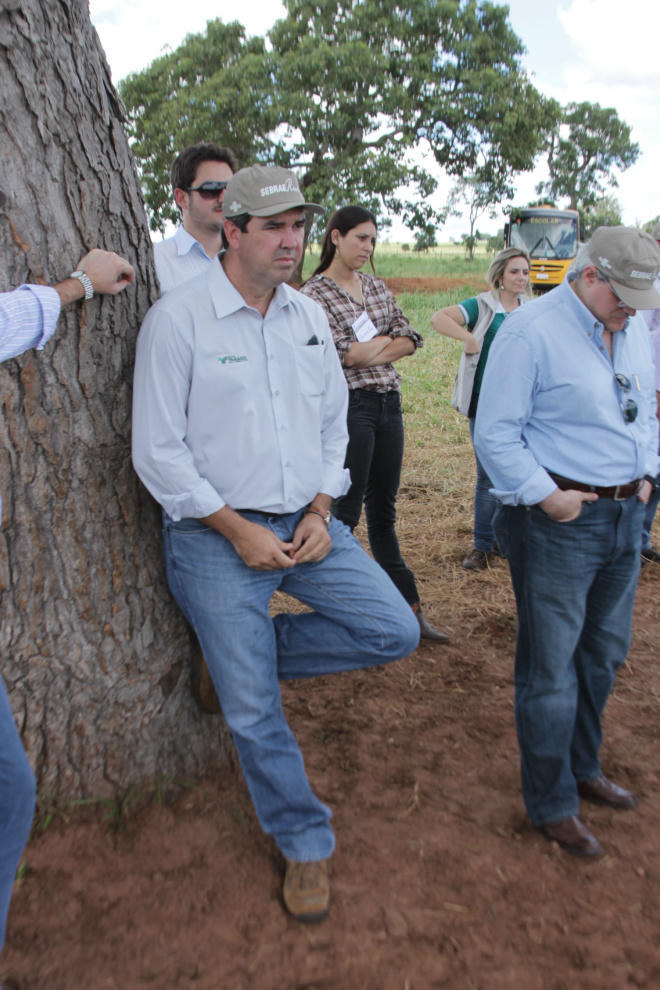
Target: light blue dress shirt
{"x":234,"y":408}
{"x":178,"y":259}
{"x":28,"y":317}
{"x":550,"y":400}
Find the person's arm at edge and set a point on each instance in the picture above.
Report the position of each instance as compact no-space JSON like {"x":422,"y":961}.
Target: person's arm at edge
{"x":29,"y":314}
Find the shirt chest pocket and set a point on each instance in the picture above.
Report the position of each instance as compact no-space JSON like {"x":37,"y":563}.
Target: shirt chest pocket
{"x":309,"y":366}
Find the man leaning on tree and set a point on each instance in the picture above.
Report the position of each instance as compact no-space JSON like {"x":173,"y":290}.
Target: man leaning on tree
{"x":239,"y":431}
{"x":568,"y":434}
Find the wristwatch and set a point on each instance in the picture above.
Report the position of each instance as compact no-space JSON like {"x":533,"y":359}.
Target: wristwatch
{"x":325,"y":516}
{"x":86,"y":281}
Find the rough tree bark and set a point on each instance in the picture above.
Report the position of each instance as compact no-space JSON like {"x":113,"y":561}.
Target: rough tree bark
{"x":93,"y":650}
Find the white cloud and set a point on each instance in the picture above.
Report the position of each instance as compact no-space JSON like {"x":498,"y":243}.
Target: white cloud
{"x":134,"y":34}
{"x":616,"y":40}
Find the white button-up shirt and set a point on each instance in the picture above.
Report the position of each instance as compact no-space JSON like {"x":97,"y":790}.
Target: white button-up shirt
{"x":235,"y":408}
{"x":178,"y":259}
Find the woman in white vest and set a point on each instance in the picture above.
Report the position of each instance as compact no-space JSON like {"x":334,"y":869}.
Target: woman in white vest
{"x":475,"y":321}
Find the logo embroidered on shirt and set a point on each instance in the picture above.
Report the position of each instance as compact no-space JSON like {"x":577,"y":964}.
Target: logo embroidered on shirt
{"x":232,"y":359}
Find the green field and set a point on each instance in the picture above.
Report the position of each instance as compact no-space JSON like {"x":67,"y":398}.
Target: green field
{"x":391,"y":261}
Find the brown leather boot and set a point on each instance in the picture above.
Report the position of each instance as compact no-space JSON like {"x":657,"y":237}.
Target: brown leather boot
{"x":307,"y":890}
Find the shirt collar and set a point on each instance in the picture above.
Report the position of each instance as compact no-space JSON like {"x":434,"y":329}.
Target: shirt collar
{"x":227,"y":299}
{"x":185,"y":243}
{"x":582,"y":314}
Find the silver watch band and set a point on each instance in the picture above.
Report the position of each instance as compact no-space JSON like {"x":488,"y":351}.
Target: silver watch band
{"x":86,"y":281}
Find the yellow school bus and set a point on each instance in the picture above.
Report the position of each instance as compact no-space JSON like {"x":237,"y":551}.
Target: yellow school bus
{"x":550,"y":237}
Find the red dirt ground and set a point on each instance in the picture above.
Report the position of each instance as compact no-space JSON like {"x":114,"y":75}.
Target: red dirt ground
{"x":438,"y":880}
{"x":398,"y":285}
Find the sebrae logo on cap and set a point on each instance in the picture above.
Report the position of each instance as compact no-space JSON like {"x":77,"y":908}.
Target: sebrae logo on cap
{"x":635,"y":274}
{"x":282,"y":187}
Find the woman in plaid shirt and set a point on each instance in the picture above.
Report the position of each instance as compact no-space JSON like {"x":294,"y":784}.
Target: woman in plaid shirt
{"x":370,"y":334}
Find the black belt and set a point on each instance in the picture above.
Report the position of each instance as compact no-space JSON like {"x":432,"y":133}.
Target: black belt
{"x":618,"y":492}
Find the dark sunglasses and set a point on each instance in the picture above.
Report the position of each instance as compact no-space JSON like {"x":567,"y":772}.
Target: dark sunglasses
{"x":208,"y":190}
{"x":629,"y":407}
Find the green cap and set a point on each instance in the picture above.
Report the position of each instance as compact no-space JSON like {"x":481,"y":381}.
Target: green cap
{"x":631,"y":261}
{"x":263,"y":191}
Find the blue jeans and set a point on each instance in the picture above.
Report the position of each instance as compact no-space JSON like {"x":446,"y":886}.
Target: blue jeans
{"x":374,"y":457}
{"x":359,"y":620}
{"x":484,"y":504}
{"x":575,"y":588}
{"x":17,"y":799}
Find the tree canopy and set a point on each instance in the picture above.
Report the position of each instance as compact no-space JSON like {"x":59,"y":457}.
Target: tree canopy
{"x":584,"y":149}
{"x":604,"y":212}
{"x":343,"y":91}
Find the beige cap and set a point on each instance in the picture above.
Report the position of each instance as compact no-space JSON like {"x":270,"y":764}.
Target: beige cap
{"x":263,"y":191}
{"x":631,"y":261}
{"x":655,"y":233}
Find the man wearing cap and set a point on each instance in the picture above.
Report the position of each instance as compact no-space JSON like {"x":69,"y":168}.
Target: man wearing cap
{"x":199,"y":177}
{"x":567,"y":431}
{"x":239,"y":431}
{"x":652,"y":318}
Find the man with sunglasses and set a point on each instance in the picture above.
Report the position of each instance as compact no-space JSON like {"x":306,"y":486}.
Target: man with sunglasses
{"x":567,"y":431}
{"x":199,"y":176}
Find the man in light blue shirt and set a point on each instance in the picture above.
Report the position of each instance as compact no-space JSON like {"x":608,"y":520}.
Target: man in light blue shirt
{"x":567,"y":431}
{"x":652,"y":318}
{"x":239,"y":431}
{"x":28,"y":316}
{"x":199,"y":177}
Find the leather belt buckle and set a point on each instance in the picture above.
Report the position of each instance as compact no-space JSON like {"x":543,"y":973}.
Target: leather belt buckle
{"x":620,"y":498}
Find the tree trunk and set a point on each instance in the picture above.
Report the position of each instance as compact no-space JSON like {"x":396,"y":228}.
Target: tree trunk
{"x":93,"y":650}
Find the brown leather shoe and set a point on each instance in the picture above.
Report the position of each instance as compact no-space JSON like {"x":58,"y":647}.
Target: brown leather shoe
{"x":426,"y":630}
{"x":201,"y":683}
{"x":600,"y":790}
{"x":572,"y":835}
{"x":476,"y":560}
{"x":307,"y":890}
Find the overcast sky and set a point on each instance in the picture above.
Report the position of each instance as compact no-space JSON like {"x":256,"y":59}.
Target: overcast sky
{"x":604,"y":51}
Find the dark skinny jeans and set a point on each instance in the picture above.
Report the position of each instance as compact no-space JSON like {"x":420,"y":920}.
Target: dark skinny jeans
{"x":374,"y":457}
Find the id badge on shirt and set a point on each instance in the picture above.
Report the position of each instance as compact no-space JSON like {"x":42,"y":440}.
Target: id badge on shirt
{"x":363,"y":328}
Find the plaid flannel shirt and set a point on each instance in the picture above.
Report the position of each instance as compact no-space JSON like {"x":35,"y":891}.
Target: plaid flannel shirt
{"x":343,"y":310}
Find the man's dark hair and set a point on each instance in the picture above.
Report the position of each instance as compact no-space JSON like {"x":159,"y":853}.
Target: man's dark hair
{"x":241,"y":221}
{"x":186,"y":164}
